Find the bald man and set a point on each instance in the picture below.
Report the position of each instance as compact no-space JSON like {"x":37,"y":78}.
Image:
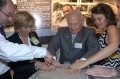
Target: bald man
{"x":75,"y":41}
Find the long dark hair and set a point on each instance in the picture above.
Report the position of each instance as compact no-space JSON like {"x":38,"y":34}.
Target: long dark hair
{"x":105,"y":9}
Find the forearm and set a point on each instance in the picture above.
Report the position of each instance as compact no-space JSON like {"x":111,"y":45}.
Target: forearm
{"x":92,"y":45}
{"x":91,"y":52}
{"x":17,"y":52}
{"x":103,"y":53}
{"x":52,"y":47}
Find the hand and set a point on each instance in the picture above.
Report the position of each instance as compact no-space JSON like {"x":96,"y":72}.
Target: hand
{"x":56,"y":63}
{"x":52,"y":67}
{"x":101,"y":71}
{"x":76,"y":67}
{"x":72,"y":69}
{"x":43,"y":66}
{"x":80,"y":64}
{"x":48,"y":58}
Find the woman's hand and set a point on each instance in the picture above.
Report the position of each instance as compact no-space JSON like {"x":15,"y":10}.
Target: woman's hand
{"x":80,"y":64}
{"x":72,"y":70}
{"x":76,"y":67}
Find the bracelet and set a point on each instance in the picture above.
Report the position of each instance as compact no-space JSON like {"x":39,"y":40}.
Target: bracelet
{"x":36,"y":68}
{"x":117,"y":69}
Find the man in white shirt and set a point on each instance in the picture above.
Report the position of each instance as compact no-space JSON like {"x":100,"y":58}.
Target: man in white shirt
{"x":12,"y":51}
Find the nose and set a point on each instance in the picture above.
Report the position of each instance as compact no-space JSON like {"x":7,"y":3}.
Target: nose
{"x":65,"y":13}
{"x":95,"y":21}
{"x":10,"y":18}
{"x":71,"y":26}
{"x":29,"y":29}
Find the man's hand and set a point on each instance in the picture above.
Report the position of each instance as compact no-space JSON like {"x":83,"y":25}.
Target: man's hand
{"x":101,"y":71}
{"x":52,"y":67}
{"x":48,"y":58}
{"x":56,"y":63}
{"x":43,"y":66}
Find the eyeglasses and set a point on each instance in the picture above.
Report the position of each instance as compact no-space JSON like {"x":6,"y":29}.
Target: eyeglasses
{"x":6,"y":14}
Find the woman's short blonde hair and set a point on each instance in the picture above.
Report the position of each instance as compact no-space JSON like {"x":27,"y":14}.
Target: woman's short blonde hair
{"x":23,"y":19}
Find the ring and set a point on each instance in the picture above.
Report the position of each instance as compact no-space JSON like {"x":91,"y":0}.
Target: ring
{"x":74,"y":66}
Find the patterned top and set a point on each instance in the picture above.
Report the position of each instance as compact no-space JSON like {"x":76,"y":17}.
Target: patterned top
{"x":109,"y":62}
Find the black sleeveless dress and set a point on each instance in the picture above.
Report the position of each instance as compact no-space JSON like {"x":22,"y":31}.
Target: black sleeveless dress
{"x":109,"y":62}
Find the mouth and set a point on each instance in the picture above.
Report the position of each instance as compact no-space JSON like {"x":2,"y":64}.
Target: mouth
{"x":8,"y":23}
{"x":98,"y":25}
{"x":72,"y":31}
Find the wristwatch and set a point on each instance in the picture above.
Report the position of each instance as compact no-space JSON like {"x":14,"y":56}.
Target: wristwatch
{"x":36,"y":67}
{"x":117,"y":69}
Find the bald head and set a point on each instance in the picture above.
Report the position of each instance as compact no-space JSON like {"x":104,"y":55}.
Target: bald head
{"x":3,"y":3}
{"x":76,"y":13}
{"x":75,"y":21}
{"x":7,"y":5}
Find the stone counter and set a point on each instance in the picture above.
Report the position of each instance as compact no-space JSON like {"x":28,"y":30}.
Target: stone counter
{"x":61,"y":74}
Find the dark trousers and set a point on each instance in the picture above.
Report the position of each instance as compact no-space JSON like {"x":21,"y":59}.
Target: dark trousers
{"x":21,"y":75}
{"x":6,"y":75}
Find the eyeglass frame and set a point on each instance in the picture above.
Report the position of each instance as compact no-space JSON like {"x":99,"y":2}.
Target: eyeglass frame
{"x":6,"y":14}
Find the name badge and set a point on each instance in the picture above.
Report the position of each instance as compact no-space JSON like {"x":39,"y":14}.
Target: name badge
{"x":34,"y":40}
{"x":78,"y":45}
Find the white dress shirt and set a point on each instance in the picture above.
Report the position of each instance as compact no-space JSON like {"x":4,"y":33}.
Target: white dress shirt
{"x":15,"y":52}
{"x":73,"y":37}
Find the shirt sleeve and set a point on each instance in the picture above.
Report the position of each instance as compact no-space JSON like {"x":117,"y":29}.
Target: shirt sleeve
{"x":17,"y":52}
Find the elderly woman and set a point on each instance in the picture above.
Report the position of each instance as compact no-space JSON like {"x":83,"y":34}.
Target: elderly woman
{"x":23,"y":23}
